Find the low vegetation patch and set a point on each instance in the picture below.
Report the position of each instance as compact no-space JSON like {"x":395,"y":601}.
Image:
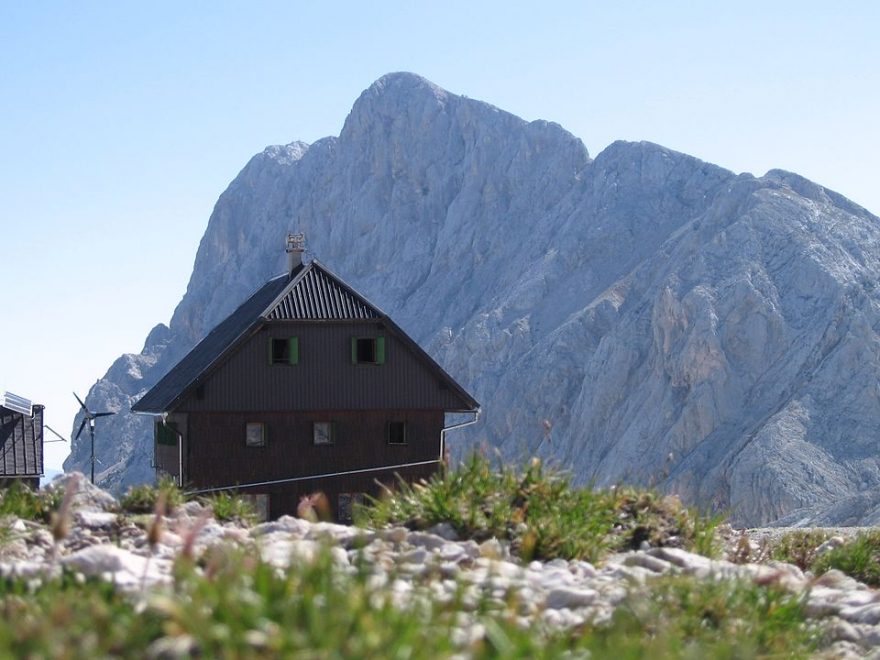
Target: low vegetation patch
{"x":144,"y":497}
{"x":20,"y":501}
{"x":858,"y":558}
{"x":239,"y":607}
{"x":540,"y":513}
{"x":683,"y":617}
{"x":798,"y":547}
{"x":226,"y":505}
{"x":230,"y":506}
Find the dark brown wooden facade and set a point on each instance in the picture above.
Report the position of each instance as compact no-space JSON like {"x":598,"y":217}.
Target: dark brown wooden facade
{"x":359,"y":443}
{"x":386,"y":415}
{"x":21,"y":446}
{"x":324,"y":377}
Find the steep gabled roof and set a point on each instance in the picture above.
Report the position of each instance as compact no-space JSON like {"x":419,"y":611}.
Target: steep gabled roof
{"x":313,"y":293}
{"x":226,"y":334}
{"x":317,"y":294}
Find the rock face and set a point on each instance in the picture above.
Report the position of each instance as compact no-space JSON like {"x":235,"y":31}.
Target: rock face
{"x":643,"y":317}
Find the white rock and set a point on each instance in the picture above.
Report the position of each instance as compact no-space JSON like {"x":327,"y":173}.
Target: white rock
{"x":394,"y":534}
{"x":445,"y":531}
{"x":570,"y":598}
{"x":426,"y":540}
{"x":95,"y":519}
{"x":279,"y":551}
{"x":415,"y":556}
{"x":492,"y":549}
{"x":867,"y":614}
{"x":859,"y":598}
{"x":651,"y":563}
{"x":124,"y":568}
{"x":831,"y":544}
{"x":688,"y":561}
{"x":840,"y":630}
{"x":288,"y":524}
{"x":838,"y":580}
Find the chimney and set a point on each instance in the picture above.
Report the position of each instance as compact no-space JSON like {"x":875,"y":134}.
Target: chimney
{"x":296,"y":245}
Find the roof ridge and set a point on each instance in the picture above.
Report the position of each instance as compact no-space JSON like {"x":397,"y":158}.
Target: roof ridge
{"x":345,"y":285}
{"x":316,"y":292}
{"x":293,"y":282}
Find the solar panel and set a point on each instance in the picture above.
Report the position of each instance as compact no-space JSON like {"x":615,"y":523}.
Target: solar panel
{"x":16,"y":403}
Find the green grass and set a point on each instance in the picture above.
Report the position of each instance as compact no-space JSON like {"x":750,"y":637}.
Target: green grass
{"x":798,"y":547}
{"x":229,"y":604}
{"x":230,"y":506}
{"x":19,"y":500}
{"x":858,"y":558}
{"x":225,"y":505}
{"x":678,"y":617}
{"x":143,"y":498}
{"x":540,"y":513}
{"x":242,"y":608}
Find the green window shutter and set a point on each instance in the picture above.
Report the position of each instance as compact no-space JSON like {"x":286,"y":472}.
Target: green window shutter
{"x":354,"y":350}
{"x":380,"y":350}
{"x":293,"y":350}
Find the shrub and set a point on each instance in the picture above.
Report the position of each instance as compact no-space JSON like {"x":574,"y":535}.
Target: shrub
{"x":19,"y":500}
{"x":230,"y":506}
{"x":539,"y":512}
{"x":678,"y":617}
{"x":143,"y":498}
{"x":798,"y":547}
{"x":858,"y":558}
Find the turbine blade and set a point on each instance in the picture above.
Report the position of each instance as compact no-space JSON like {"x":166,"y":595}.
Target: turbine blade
{"x":102,"y":414}
{"x":81,"y":427}
{"x":81,"y":402}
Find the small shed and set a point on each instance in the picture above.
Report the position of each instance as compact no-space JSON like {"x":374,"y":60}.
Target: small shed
{"x":21,"y":440}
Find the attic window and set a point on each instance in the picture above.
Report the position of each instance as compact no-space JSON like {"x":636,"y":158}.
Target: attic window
{"x":368,"y":350}
{"x":283,"y":350}
{"x":396,"y":433}
{"x":255,"y":434}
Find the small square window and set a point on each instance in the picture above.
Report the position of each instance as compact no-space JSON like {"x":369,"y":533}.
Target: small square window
{"x":324,"y":433}
{"x":260,"y":504}
{"x":368,"y":350}
{"x":396,"y":433}
{"x":255,"y":434}
{"x":346,"y":502}
{"x":283,"y":350}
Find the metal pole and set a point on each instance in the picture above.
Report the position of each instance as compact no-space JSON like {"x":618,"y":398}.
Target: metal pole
{"x":92,"y":434}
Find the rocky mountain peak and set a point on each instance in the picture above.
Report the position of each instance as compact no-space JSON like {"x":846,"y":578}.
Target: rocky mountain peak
{"x":643,"y":317}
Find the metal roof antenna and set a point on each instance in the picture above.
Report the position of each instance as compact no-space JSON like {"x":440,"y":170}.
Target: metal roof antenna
{"x":296,"y":245}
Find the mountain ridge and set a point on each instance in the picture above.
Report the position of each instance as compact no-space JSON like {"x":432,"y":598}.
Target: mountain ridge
{"x":671,"y":321}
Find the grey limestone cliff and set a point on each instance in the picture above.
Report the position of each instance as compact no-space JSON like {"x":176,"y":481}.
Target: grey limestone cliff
{"x":643,"y":317}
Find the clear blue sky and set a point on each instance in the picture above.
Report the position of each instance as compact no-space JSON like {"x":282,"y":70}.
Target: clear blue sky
{"x":121,"y":123}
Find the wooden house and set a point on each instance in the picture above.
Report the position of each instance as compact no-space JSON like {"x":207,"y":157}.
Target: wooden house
{"x":305,"y":387}
{"x":21,"y":441}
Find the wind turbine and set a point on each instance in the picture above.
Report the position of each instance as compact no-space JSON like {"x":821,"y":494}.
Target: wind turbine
{"x":90,"y":419}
